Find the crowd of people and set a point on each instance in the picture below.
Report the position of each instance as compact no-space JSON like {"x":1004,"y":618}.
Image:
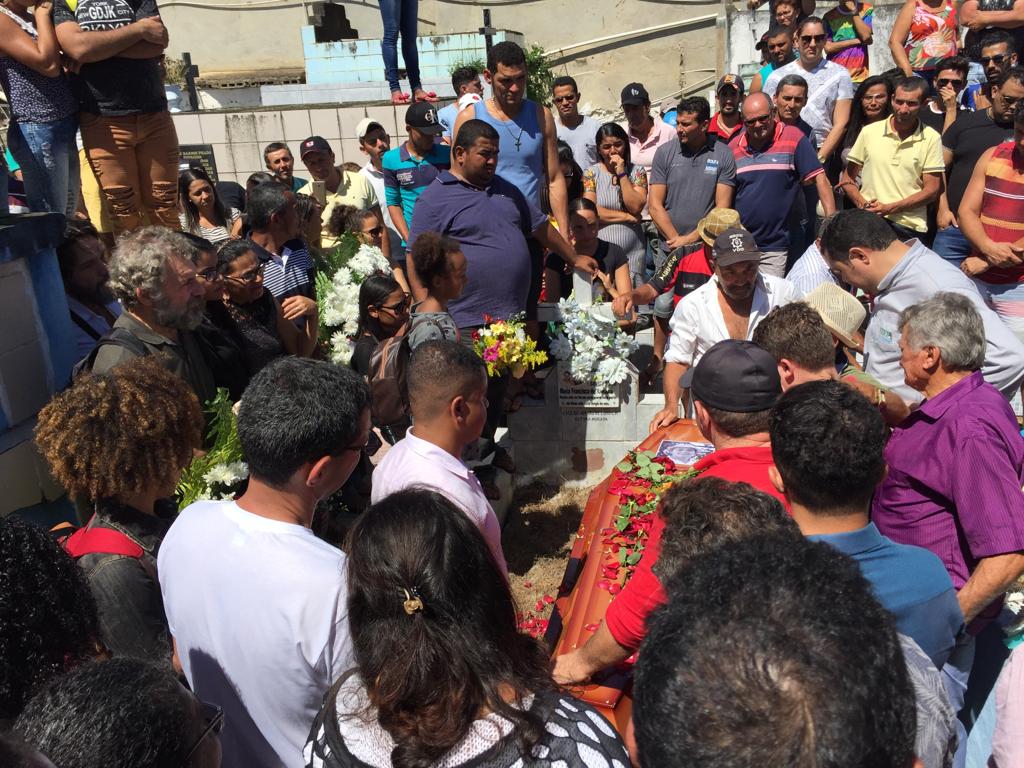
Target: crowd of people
{"x":830,"y":260}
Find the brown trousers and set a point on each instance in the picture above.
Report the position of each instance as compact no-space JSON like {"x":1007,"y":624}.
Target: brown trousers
{"x":135,"y":159}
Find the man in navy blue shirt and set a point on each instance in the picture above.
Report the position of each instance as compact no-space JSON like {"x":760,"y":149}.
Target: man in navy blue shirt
{"x":827,"y":442}
{"x":491,"y":219}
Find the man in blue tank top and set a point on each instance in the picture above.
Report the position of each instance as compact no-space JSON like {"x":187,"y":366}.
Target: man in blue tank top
{"x":528,"y":156}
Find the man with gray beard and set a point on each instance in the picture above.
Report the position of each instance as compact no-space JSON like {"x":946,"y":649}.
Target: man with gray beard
{"x":153,"y":275}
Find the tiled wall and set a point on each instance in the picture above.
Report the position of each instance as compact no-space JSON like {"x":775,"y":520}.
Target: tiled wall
{"x":359,"y":61}
{"x":238,"y":137}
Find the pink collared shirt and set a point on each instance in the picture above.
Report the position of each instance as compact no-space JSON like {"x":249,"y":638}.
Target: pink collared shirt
{"x":642,"y":152}
{"x":415,"y":463}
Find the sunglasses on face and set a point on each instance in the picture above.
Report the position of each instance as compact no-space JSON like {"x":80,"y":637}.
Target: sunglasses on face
{"x":808,"y":39}
{"x":757,"y":120}
{"x":213,"y":716}
{"x":943,"y":82}
{"x":401,"y":306}
{"x":373,"y":232}
{"x":560,"y":99}
{"x":999,"y":58}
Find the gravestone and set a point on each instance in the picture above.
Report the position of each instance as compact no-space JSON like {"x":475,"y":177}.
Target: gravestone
{"x":579,"y":431}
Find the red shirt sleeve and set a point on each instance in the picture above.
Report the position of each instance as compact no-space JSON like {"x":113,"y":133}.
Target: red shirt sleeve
{"x":626,"y":616}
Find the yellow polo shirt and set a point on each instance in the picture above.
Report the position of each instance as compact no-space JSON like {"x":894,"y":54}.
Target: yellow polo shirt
{"x":354,"y":189}
{"x":893,"y":169}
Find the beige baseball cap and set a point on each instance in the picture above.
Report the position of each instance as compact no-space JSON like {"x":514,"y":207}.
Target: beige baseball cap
{"x":716,"y":222}
{"x":840,"y":310}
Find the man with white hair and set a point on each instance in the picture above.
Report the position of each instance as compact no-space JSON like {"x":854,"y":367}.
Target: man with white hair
{"x":163,"y":299}
{"x":961,"y":497}
{"x":863,"y":251}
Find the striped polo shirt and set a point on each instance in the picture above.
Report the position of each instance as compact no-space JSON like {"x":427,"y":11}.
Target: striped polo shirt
{"x":288,"y":273}
{"x":767,"y":181}
{"x":1001,"y":207}
{"x":405,"y":176}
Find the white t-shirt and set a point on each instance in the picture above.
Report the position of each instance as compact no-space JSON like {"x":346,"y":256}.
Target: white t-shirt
{"x":258,"y":610}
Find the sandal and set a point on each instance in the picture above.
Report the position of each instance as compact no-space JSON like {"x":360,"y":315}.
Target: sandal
{"x":420,"y":95}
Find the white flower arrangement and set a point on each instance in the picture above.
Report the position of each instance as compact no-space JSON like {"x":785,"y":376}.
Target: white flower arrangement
{"x":223,"y":480}
{"x":595,"y":349}
{"x":338,"y":297}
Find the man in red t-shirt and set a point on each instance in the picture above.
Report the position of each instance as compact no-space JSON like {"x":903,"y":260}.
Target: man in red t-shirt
{"x":734,"y":387}
{"x":726,"y":122}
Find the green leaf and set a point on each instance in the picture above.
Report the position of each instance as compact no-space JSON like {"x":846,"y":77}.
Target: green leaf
{"x":623,"y":556}
{"x":621,"y":522}
{"x":643,"y":459}
{"x":633,"y":557}
{"x":624,"y":467}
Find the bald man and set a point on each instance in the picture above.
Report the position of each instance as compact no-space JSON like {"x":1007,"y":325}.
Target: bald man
{"x":774,"y":162}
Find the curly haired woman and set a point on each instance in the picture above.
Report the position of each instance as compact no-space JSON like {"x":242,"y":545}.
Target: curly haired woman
{"x":48,"y":620}
{"x":118,"y":442}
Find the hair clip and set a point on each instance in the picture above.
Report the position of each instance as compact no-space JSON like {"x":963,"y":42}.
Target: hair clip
{"x":412,"y":603}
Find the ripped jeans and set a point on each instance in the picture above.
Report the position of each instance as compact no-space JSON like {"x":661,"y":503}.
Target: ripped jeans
{"x":48,"y":158}
{"x":135,"y":159}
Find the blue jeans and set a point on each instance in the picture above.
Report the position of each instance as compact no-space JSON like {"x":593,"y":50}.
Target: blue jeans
{"x":951,"y":244}
{"x":399,"y":17}
{"x":48,"y":156}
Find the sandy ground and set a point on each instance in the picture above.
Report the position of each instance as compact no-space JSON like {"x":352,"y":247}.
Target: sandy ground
{"x":537,"y":538}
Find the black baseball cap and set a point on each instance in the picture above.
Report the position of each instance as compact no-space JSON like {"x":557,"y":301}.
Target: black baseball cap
{"x":423,"y":117}
{"x":314,"y":144}
{"x":737,"y":376}
{"x":733,"y":246}
{"x":635,"y":94}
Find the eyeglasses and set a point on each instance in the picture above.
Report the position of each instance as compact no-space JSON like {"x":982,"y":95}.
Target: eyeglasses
{"x":944,"y":81}
{"x":808,"y":39}
{"x":210,"y":275}
{"x":560,"y":99}
{"x":247,"y":277}
{"x":757,"y":120}
{"x":214,"y":717}
{"x":999,"y":58}
{"x":401,"y":306}
{"x":375,"y":232}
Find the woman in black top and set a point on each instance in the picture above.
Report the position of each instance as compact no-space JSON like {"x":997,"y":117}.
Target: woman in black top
{"x":383,"y":313}
{"x":253,"y":315}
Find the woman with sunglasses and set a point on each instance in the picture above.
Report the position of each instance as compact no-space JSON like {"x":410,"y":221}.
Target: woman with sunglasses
{"x":253,"y":316}
{"x":368,"y":227}
{"x":443,"y":676}
{"x":383,"y":314}
{"x":202,"y":212}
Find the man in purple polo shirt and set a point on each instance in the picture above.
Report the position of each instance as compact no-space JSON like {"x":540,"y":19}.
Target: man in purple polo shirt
{"x":956,"y":469}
